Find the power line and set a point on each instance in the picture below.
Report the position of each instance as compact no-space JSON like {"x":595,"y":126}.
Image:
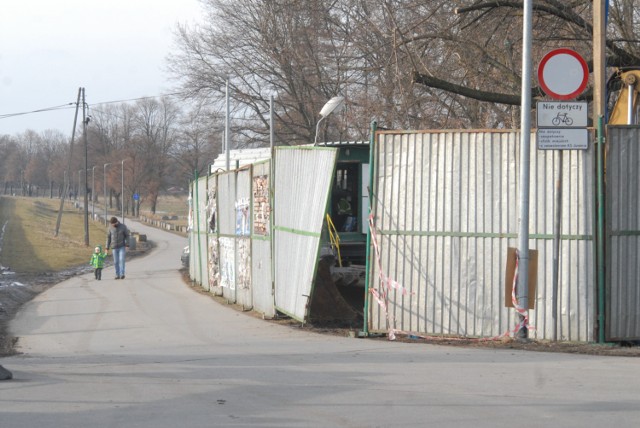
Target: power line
{"x":92,"y":106}
{"x":173,"y":94}
{"x":70,"y":105}
{"x":60,"y":107}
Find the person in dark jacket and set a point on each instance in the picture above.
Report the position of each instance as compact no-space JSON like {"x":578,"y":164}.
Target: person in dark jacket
{"x":118,"y":241}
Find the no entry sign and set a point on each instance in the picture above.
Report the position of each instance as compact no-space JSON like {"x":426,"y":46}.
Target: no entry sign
{"x":563,"y":74}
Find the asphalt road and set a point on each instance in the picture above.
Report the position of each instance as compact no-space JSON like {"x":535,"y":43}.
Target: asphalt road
{"x":150,"y":352}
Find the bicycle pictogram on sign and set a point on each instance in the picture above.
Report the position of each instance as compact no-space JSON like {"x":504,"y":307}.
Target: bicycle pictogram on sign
{"x":562,"y":118}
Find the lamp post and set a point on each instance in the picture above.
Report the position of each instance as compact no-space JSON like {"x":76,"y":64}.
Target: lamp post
{"x":122,"y":194}
{"x":327,"y":109}
{"x":85,"y":122}
{"x":79,"y":184}
{"x":104,"y":184}
{"x":93,"y":192}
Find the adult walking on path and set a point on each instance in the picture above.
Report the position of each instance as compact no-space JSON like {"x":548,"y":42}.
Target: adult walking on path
{"x":118,"y":241}
{"x":156,"y":354}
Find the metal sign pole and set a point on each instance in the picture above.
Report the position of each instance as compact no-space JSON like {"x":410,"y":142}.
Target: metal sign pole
{"x":522,"y":290}
{"x":557,"y":225}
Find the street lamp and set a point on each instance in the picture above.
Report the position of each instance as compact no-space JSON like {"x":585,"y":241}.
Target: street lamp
{"x":93,"y":192}
{"x":104,"y":184}
{"x":85,"y":211}
{"x":122,"y":194}
{"x":80,"y":185}
{"x":327,"y":109}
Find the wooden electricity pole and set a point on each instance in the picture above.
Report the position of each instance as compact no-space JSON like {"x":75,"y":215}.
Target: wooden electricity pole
{"x":66,"y":184}
{"x":599,"y":59}
{"x":599,"y":121}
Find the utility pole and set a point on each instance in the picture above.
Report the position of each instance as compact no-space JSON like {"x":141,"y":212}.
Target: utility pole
{"x":226,"y":126}
{"x":271,"y":129}
{"x":599,"y":120}
{"x":93,"y":191}
{"x":85,"y":121}
{"x":68,"y":171}
{"x":122,"y":192}
{"x":599,"y":59}
{"x":104,"y":186}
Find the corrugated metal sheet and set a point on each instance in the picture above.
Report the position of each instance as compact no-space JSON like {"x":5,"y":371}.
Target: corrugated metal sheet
{"x":213,"y":265}
{"x":227,"y":268}
{"x":203,"y":241}
{"x":197,"y":239}
{"x":226,"y":203}
{"x":623,"y":233}
{"x":227,"y":233}
{"x":261,"y":276}
{"x":213,"y":250}
{"x":193,"y":236}
{"x":302,"y":182}
{"x":243,"y":240}
{"x":445,"y":209}
{"x":577,"y":282}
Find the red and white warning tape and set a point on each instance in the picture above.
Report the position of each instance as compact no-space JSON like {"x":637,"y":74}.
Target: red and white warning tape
{"x":524,"y":322}
{"x":387,"y":283}
{"x":523,"y":312}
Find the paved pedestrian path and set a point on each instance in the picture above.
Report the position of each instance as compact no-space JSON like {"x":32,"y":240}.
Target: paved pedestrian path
{"x":148,"y":351}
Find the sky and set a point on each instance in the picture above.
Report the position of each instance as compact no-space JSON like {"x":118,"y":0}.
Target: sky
{"x":115,"y":49}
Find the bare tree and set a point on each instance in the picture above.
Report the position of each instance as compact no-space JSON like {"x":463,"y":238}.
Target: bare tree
{"x":406,"y":63}
{"x":10,"y":163}
{"x":197,"y":144}
{"x":54,"y":148}
{"x":262,"y":48}
{"x":153,"y":138}
{"x":372,"y":51}
{"x":487,"y":36}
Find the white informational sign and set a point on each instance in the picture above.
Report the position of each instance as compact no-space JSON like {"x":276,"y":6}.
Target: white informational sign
{"x":562,"y":138}
{"x":561,"y":114}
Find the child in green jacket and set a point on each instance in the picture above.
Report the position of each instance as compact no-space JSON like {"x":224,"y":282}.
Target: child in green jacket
{"x":97,"y":261}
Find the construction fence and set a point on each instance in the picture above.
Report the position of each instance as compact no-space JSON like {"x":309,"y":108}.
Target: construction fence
{"x":444,"y":214}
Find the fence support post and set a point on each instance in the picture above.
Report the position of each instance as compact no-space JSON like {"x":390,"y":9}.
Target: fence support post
{"x":600,"y":230}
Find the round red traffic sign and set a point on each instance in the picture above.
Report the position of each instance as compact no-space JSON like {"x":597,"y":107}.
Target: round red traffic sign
{"x":563,"y":74}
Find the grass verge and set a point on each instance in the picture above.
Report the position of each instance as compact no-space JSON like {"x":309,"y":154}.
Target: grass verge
{"x":29,"y":244}
{"x":172,"y":209}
